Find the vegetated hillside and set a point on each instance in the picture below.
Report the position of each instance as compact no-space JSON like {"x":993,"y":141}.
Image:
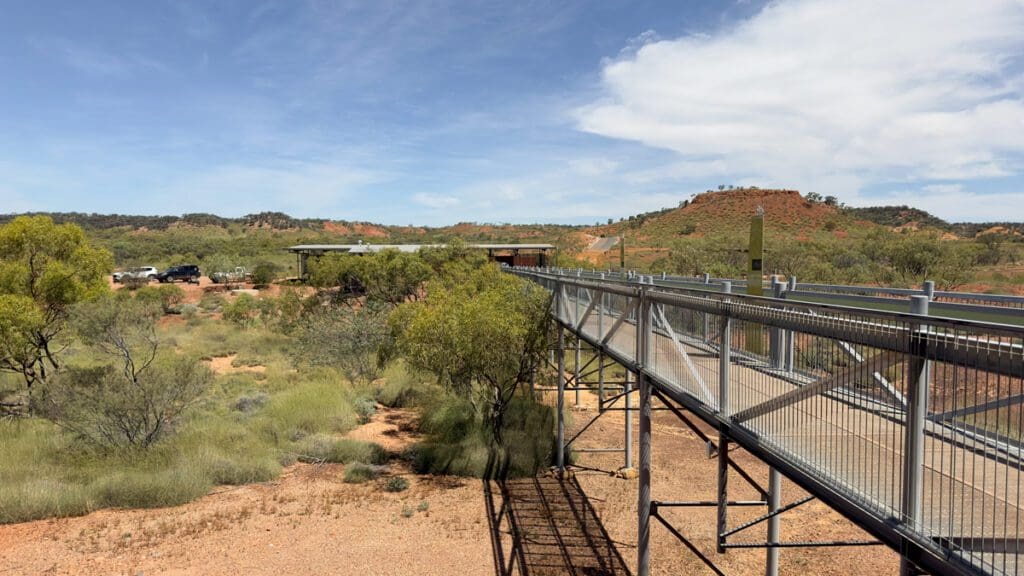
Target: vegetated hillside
{"x":712,"y":213}
{"x":974,"y":229}
{"x":898,"y":217}
{"x":212,"y":240}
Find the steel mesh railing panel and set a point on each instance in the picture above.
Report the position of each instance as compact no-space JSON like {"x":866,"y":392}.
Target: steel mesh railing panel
{"x":832,"y":389}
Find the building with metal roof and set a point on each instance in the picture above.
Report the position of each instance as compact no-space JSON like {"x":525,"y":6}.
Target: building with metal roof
{"x":512,"y":254}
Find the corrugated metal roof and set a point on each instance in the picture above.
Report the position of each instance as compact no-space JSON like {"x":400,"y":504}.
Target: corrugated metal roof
{"x":365,"y":248}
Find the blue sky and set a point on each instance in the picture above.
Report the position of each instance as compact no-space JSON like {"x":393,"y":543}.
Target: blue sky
{"x":434,"y":112}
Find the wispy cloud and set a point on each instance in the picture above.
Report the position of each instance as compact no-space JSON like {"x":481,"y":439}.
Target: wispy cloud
{"x":435,"y":201}
{"x":93,"y":60}
{"x":831,"y":96}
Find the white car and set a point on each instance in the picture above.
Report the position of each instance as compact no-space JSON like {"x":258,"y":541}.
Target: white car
{"x":147,"y":272}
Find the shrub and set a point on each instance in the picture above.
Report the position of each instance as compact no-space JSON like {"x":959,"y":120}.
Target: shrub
{"x":251,"y":402}
{"x":461,"y":443}
{"x":242,"y":312}
{"x":401,"y":388}
{"x":107,"y":407}
{"x":365,"y":408}
{"x":397,"y":484}
{"x":212,"y":302}
{"x":136,"y":399}
{"x":357,"y":473}
{"x":168,"y":296}
{"x":264,"y":273}
{"x":320,"y":448}
{"x":134,"y":283}
{"x":308,"y":408}
{"x":346,"y":339}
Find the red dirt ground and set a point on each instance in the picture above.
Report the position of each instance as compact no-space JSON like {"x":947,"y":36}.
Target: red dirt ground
{"x":309,"y":522}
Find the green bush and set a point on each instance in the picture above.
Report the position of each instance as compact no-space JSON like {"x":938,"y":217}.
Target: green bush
{"x":365,"y":408}
{"x":168,"y":296}
{"x":242,"y":312}
{"x":309,"y":408}
{"x":150,"y":489}
{"x":460,"y":443}
{"x":264,"y":273}
{"x":401,"y":388}
{"x":321,"y":448}
{"x":357,"y":473}
{"x":397,"y":484}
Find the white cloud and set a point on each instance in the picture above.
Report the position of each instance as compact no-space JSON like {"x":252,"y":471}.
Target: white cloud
{"x":435,"y":201}
{"x":830,"y":96}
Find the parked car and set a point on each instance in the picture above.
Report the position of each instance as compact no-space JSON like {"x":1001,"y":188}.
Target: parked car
{"x":146,"y":272}
{"x":239,"y":274}
{"x":183,"y":273}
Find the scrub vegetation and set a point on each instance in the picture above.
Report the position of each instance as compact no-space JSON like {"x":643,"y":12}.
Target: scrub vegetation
{"x":129,"y":412}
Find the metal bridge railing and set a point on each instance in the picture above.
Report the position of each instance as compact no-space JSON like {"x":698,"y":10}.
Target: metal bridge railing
{"x":915,"y":421}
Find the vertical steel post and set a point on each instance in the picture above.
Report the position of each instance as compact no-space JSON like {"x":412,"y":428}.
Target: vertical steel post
{"x":917,"y":410}
{"x":771,"y":565}
{"x":776,"y":338}
{"x":628,"y":437}
{"x":561,"y":400}
{"x":643,"y":541}
{"x":790,"y":335}
{"x":929,"y":289}
{"x":725,"y":338}
{"x":576,"y":371}
{"x":600,"y":381}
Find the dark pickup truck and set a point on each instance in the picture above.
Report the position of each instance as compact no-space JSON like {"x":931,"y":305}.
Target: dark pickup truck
{"x":184,"y":273}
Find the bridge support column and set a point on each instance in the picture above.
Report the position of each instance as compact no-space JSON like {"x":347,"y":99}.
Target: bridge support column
{"x":576,"y":371}
{"x":771,"y":564}
{"x":561,"y":400}
{"x":643,"y":541}
{"x":628,"y":399}
{"x":725,"y":342}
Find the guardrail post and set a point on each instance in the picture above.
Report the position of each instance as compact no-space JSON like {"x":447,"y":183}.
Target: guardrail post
{"x":917,"y":409}
{"x":929,"y":289}
{"x":643,"y":328}
{"x":724,"y":343}
{"x":790,"y":335}
{"x":561,"y":400}
{"x":707,"y":278}
{"x":776,"y":338}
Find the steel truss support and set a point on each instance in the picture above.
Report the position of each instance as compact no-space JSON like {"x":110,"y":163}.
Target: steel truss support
{"x":915,"y":340}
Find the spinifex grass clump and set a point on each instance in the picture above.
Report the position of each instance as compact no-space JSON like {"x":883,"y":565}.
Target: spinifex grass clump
{"x":358,"y":473}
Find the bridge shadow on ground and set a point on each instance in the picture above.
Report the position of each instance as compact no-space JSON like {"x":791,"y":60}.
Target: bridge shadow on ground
{"x":554,"y":529}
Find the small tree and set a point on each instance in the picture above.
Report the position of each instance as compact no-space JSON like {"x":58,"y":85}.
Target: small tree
{"x":345,"y":338}
{"x":44,"y":270}
{"x":138,"y":396}
{"x":481,"y":337}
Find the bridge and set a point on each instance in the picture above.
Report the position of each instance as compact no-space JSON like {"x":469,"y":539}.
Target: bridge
{"x":908,"y":424}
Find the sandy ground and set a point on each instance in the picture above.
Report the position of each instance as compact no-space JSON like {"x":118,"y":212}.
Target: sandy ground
{"x":309,"y":522}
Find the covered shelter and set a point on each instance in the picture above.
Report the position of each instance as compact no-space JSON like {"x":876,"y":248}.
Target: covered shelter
{"x":511,"y":254}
